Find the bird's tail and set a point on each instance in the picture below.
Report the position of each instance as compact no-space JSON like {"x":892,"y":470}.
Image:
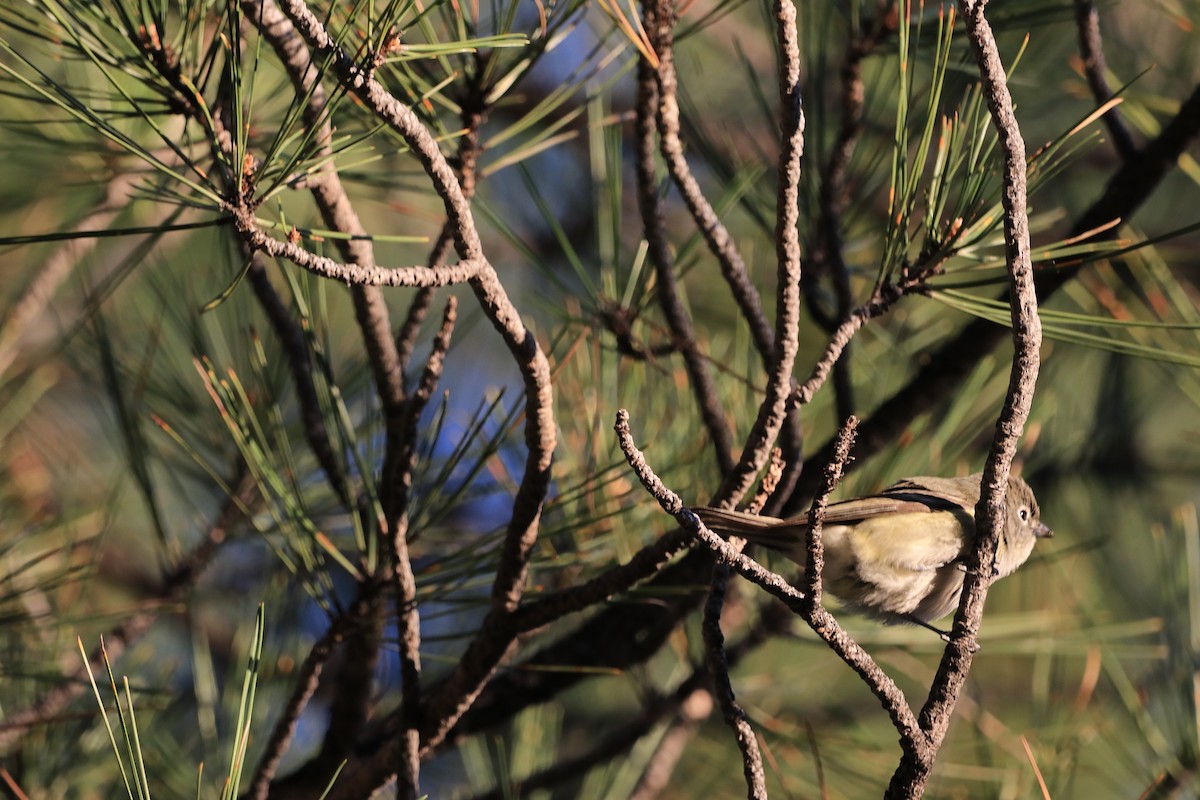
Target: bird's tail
{"x":772,"y":532}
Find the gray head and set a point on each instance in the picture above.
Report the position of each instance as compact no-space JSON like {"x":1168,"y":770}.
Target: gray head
{"x":1023,"y":528}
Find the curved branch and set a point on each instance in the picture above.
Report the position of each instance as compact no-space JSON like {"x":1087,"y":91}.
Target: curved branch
{"x":308,"y":679}
{"x":880,"y":684}
{"x":331,"y":198}
{"x":718,"y":665}
{"x":660,"y":15}
{"x":661,"y":26}
{"x":833,"y":194}
{"x":408,"y":619}
{"x":1129,"y":187}
{"x":774,"y":408}
{"x":1091,"y":47}
{"x":495,"y":639}
{"x":352,"y":274}
{"x":916,"y":763}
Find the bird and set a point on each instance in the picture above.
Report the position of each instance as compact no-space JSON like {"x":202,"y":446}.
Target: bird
{"x":899,"y":555}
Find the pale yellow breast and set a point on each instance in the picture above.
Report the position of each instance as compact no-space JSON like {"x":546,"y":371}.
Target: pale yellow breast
{"x":896,"y":564}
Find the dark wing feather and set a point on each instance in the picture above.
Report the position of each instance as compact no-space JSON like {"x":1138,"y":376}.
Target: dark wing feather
{"x":963,"y":492}
{"x":848,"y":512}
{"x":909,"y":496}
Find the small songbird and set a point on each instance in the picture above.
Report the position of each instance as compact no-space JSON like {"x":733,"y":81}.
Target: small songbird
{"x":898,"y":556}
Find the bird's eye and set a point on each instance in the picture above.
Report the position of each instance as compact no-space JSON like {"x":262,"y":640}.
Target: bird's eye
{"x":1024,"y":512}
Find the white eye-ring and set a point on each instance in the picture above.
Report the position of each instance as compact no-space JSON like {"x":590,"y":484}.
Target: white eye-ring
{"x":1024,"y":514}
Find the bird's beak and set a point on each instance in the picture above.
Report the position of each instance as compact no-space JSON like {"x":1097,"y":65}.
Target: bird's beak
{"x":1042,"y":531}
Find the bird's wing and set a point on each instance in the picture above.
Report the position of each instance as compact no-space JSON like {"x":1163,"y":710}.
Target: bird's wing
{"x":787,"y":535}
{"x":939,"y":493}
{"x":915,"y":496}
{"x":912,"y":542}
{"x":849,"y":512}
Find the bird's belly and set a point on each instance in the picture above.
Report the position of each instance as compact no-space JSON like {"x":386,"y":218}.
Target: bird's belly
{"x":891,"y":593}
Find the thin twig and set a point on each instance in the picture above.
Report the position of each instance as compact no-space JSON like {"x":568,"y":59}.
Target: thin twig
{"x":833,"y":194}
{"x":408,"y":618}
{"x":308,"y":679}
{"x":808,"y":604}
{"x":840,"y":339}
{"x":1091,"y":48}
{"x":826,"y":626}
{"x":718,"y":665}
{"x":450,"y":699}
{"x":351,"y":274}
{"x":814,"y":545}
{"x":774,"y":409}
{"x":683,"y":332}
{"x":880,"y":684}
{"x":466,"y":170}
{"x":912,"y":773}
{"x":660,"y":25}
{"x":945,"y":370}
{"x":769,"y":483}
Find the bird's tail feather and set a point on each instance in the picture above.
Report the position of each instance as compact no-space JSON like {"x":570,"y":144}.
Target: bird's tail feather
{"x":772,"y":532}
